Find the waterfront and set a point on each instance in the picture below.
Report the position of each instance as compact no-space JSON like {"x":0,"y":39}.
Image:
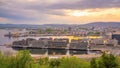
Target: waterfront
{"x":9,"y":40}
{"x":58,"y":45}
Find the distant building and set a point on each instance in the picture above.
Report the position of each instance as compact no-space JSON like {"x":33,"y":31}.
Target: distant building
{"x":24,"y":42}
{"x":78,"y":44}
{"x":62,"y":39}
{"x":117,"y":37}
{"x":57,"y":44}
{"x":38,"y":43}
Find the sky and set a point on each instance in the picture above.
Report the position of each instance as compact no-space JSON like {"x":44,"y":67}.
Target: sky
{"x":59,"y":11}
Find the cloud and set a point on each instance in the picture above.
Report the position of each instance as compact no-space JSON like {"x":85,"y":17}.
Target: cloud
{"x":51,"y":11}
{"x":12,"y":15}
{"x":87,"y":4}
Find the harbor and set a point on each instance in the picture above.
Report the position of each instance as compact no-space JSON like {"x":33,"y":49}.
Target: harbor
{"x":63,"y":45}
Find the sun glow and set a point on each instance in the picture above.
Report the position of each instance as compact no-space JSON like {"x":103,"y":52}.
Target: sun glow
{"x":94,"y":12}
{"x":78,"y":13}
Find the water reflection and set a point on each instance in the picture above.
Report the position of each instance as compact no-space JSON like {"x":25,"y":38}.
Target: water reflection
{"x":53,"y":51}
{"x":56,"y":52}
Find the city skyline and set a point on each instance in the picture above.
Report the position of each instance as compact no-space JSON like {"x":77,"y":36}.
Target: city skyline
{"x":59,"y":11}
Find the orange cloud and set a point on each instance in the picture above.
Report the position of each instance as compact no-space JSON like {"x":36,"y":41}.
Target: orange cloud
{"x":93,"y":15}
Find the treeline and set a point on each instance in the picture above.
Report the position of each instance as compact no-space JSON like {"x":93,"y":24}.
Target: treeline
{"x":23,"y":59}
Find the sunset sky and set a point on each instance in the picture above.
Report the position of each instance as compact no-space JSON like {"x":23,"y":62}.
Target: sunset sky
{"x":59,"y":11}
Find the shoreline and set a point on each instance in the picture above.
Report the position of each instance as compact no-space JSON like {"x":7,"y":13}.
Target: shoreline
{"x":84,"y":56}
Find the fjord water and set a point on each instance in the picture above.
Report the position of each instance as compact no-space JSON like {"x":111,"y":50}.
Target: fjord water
{"x":5,"y":40}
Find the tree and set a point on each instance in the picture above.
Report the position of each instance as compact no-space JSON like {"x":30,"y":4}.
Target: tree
{"x":93,"y":63}
{"x":73,"y":62}
{"x":43,"y":61}
{"x":49,"y":30}
{"x":54,"y":63}
{"x":107,"y":61}
{"x":22,"y":59}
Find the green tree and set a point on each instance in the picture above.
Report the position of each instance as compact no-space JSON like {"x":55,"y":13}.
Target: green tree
{"x":23,"y":58}
{"x":93,"y":63}
{"x":107,"y":61}
{"x":73,"y":62}
{"x":54,"y":63}
{"x":49,"y":30}
{"x":44,"y":61}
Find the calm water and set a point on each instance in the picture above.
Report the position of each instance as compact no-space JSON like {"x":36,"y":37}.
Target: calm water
{"x":7,"y":40}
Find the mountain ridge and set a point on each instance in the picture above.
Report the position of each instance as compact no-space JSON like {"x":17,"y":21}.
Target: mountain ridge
{"x":93,"y":24}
